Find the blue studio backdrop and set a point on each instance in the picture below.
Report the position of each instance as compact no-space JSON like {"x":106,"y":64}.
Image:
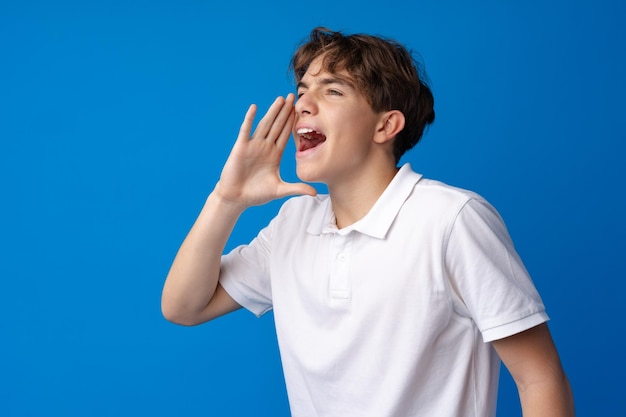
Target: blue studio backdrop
{"x":115,"y":120}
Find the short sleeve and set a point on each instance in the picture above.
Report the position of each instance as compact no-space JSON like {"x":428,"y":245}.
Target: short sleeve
{"x":490,"y":282}
{"x":245,"y":273}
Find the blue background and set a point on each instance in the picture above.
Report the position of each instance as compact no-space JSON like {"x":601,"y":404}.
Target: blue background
{"x":115,"y":119}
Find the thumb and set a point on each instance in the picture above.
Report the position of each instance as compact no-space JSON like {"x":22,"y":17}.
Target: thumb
{"x":287,"y":188}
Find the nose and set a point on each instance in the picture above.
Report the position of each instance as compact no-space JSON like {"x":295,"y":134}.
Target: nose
{"x":305,"y":104}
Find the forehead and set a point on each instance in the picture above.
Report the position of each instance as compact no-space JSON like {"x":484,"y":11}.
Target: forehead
{"x":318,"y":72}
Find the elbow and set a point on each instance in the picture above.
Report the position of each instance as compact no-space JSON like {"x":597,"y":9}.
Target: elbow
{"x":551,"y":395}
{"x":178,"y":315}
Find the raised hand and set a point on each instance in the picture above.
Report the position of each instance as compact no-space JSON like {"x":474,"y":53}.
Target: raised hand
{"x":251,"y":175}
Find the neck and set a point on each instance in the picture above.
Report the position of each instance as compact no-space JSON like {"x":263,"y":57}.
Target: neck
{"x":353,"y":199}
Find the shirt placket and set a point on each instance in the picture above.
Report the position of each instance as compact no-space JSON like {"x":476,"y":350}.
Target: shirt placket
{"x":340,"y":283}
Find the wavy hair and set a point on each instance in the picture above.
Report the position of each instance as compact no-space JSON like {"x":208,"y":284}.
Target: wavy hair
{"x":383,"y":69}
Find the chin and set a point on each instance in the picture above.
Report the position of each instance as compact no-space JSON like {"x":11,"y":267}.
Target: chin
{"x":307,"y":174}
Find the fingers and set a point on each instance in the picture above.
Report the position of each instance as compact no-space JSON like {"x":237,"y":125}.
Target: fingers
{"x":277,"y":119}
{"x":283,"y":137}
{"x":283,"y":122}
{"x":267,"y":121}
{"x":246,"y":125}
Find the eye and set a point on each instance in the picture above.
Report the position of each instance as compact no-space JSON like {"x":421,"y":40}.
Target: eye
{"x":333,"y":92}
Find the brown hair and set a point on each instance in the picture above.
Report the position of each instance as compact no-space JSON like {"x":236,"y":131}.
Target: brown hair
{"x":383,"y":69}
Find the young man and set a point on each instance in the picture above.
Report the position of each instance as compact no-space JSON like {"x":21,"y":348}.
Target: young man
{"x":393,"y":295}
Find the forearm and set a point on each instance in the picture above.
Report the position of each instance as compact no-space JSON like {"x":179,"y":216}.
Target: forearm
{"x":551,"y":398}
{"x":251,"y":176}
{"x":194,"y":274}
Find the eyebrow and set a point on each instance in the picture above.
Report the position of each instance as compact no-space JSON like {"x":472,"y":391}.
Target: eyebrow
{"x":329,"y":80}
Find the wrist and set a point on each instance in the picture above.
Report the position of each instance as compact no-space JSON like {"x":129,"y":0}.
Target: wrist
{"x":225,"y":203}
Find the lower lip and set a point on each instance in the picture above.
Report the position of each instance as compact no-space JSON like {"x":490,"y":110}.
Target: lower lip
{"x":308,"y":152}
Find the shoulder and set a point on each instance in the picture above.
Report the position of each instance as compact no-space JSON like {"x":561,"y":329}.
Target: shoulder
{"x":466,"y":206}
{"x":419,"y":195}
{"x":302,"y":209}
{"x":297,"y":214}
{"x":443,"y":199}
{"x":303,"y":203}
{"x":446,"y":193}
{"x":444,"y":208}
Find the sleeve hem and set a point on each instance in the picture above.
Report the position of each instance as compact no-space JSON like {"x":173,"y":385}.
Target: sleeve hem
{"x":257,"y":309}
{"x":514,"y":327}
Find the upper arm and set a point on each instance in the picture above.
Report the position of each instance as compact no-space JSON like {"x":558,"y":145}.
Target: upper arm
{"x":533,"y":361}
{"x":221,"y":303}
{"x":528,"y":354}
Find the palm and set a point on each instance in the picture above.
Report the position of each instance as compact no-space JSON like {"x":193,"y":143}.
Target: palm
{"x":251,"y":175}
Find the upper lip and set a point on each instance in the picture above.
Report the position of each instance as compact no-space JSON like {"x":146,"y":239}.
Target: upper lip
{"x":306,"y":128}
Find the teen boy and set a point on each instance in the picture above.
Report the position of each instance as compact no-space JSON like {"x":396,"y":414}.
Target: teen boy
{"x":393,"y":295}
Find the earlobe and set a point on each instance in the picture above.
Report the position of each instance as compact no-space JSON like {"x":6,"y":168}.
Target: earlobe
{"x":392,"y":123}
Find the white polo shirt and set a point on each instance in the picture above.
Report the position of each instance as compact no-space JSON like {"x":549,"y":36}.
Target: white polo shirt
{"x":389,"y":316}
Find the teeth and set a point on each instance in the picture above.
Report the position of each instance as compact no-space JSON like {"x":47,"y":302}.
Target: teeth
{"x":304,"y":130}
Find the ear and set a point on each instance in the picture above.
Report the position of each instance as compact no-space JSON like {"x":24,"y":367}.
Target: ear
{"x":391,"y":123}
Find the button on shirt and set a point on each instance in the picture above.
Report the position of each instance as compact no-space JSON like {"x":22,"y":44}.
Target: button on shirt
{"x":389,"y":316}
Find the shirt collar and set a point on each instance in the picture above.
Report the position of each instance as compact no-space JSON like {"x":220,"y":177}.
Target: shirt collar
{"x":379,"y":219}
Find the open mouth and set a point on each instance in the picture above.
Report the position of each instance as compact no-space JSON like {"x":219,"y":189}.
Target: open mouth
{"x":309,"y":138}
